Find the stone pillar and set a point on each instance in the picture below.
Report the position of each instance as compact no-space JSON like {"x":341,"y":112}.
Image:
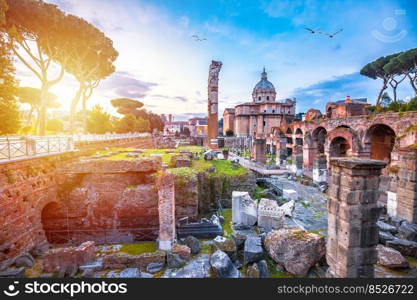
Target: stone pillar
{"x":259,"y":151}
{"x":297,"y":161}
{"x":282,"y":151}
{"x":309,"y":154}
{"x":213,"y":97}
{"x":407,"y":185}
{"x":353,"y":213}
{"x":166,"y":208}
{"x":320,"y":169}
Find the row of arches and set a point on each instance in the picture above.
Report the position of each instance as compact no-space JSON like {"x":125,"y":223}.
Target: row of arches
{"x":378,"y":141}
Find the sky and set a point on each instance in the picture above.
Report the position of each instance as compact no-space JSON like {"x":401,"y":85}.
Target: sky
{"x":161,"y":65}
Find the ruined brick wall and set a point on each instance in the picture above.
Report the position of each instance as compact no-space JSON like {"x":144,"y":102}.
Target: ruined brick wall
{"x":97,"y":196}
{"x":25,"y":188}
{"x":139,"y":143}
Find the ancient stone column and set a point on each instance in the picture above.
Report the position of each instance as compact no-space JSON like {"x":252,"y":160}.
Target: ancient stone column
{"x":353,"y":213}
{"x":297,"y":160}
{"x":282,"y":151}
{"x":166,"y":208}
{"x":320,"y":169}
{"x":259,"y":150}
{"x":213,"y":97}
{"x":406,"y":197}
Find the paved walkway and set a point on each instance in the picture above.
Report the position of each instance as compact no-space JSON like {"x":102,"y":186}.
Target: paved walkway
{"x":256,"y":167}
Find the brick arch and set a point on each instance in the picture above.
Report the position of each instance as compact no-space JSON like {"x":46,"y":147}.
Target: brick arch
{"x":277,"y":132}
{"x":348,"y":134}
{"x":379,"y":140}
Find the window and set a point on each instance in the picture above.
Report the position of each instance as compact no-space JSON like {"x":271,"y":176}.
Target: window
{"x":267,"y":98}
{"x":273,"y":111}
{"x":264,"y":123}
{"x":259,"y":98}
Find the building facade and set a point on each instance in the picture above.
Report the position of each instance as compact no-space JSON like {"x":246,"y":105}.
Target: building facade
{"x":259,"y":117}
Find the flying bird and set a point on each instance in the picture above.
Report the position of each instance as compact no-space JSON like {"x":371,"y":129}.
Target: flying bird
{"x":312,"y":31}
{"x":334,"y":34}
{"x":197,"y":38}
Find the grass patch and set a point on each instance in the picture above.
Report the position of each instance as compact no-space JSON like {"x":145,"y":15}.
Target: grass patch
{"x":227,"y":226}
{"x":224,"y":167}
{"x":138,"y":248}
{"x":206,"y":248}
{"x":183,"y":175}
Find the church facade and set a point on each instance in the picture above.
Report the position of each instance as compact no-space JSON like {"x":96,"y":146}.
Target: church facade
{"x":262,"y":115}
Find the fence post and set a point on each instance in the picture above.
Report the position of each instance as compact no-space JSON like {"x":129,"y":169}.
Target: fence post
{"x":8,"y":148}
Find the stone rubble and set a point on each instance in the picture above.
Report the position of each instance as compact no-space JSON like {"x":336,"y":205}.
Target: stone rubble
{"x":198,"y":268}
{"x":244,"y":209}
{"x":297,"y":251}
{"x":391,"y":258}
{"x":253,"y":251}
{"x":223,"y":266}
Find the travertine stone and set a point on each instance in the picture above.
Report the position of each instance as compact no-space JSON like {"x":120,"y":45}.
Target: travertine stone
{"x":353,"y":213}
{"x":166,"y":207}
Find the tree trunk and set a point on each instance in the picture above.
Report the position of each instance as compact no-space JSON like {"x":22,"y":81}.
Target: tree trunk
{"x":42,"y":110}
{"x":84,"y":104}
{"x":378,"y":100}
{"x":74,"y":104}
{"x":413,"y":84}
{"x":29,"y":119}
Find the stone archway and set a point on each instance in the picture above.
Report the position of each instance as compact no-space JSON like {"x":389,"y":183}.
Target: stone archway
{"x":319,"y":139}
{"x":339,"y":147}
{"x":49,"y":217}
{"x":380,"y":140}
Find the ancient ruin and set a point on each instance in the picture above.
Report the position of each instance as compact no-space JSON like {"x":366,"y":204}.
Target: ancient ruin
{"x":333,"y":195}
{"x":213,"y":99}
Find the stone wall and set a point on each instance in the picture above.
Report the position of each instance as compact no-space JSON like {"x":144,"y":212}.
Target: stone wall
{"x":25,"y":188}
{"x":139,"y":143}
{"x":214,"y":189}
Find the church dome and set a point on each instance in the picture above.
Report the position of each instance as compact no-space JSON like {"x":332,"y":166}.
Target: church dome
{"x":264,"y":90}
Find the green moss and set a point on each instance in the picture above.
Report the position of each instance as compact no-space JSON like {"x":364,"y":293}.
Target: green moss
{"x":273,"y":272}
{"x":206,"y":248}
{"x":138,"y":248}
{"x":412,"y":261}
{"x":227,"y":226}
{"x":183,"y":175}
{"x":260,"y":192}
{"x":412,"y":128}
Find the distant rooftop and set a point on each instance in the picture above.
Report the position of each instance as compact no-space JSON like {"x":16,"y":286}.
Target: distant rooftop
{"x":359,"y":100}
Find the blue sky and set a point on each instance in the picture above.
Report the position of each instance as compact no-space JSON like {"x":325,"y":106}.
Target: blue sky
{"x":163,"y":66}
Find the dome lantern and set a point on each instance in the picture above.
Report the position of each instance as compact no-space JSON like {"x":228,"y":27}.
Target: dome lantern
{"x":264,"y":90}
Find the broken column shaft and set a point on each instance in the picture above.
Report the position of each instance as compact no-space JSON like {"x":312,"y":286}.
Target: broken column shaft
{"x":166,"y":208}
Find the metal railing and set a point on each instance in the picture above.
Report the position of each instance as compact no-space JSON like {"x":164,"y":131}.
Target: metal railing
{"x":31,"y":146}
{"x":107,"y":137}
{"x":28,"y":146}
